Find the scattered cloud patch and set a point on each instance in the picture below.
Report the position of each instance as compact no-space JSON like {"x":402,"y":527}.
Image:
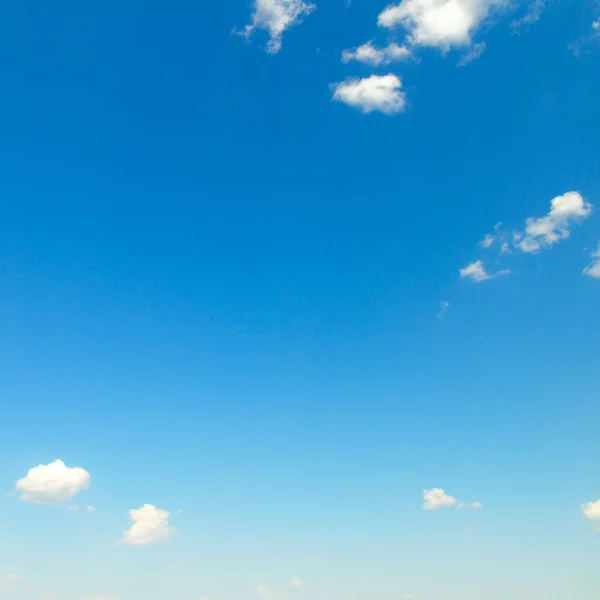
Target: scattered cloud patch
{"x":591,"y":511}
{"x":445,"y":306}
{"x":473,"y":54}
{"x":410,"y":596}
{"x":544,"y":232}
{"x":377,"y":93}
{"x":91,"y":510}
{"x":593,"y":270}
{"x":477,"y":273}
{"x":438,"y":23}
{"x":488,"y":241}
{"x":377,"y":56}
{"x":12,"y":577}
{"x":99,"y":598}
{"x":52,"y":484}
{"x":295,"y":581}
{"x":275,"y":17}
{"x":437,"y":498}
{"x":73,"y":508}
{"x":150,"y":526}
{"x":532,"y":15}
{"x":596,"y":25}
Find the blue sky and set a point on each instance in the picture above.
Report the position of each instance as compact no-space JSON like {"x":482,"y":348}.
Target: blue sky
{"x":300,"y":301}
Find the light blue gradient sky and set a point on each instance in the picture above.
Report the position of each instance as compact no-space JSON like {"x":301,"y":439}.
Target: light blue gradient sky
{"x":219,"y":293}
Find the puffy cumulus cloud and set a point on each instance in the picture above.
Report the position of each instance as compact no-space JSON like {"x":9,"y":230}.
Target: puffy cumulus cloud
{"x":275,"y":16}
{"x":295,"y":581}
{"x":477,"y":273}
{"x":374,"y":56}
{"x":439,"y":23}
{"x":52,"y":484}
{"x":150,"y":526}
{"x":543,"y":232}
{"x":591,"y":511}
{"x":266,"y":593}
{"x":437,"y":498}
{"x":593,"y":270}
{"x":377,"y":93}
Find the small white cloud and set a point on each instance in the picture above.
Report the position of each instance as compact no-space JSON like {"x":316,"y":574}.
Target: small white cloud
{"x":91,"y":509}
{"x":295,"y":581}
{"x":476,"y":272}
{"x":49,"y":596}
{"x":150,"y":526}
{"x":275,"y":16}
{"x":439,"y":23}
{"x":437,"y":498}
{"x":591,"y":510}
{"x":444,"y":309}
{"x":410,"y":596}
{"x":12,"y":577}
{"x":52,"y":484}
{"x":532,"y":15}
{"x":204,"y":598}
{"x":596,"y":25}
{"x":267,"y":593}
{"x":374,"y":56}
{"x":473,"y":54}
{"x":488,"y":241}
{"x":380,"y":93}
{"x":543,"y":232}
{"x":593,"y":270}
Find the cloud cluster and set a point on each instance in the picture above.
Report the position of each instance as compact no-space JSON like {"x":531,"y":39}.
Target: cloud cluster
{"x":375,"y":56}
{"x":52,"y":484}
{"x":543,"y":232}
{"x":150,"y":526}
{"x":436,"y":498}
{"x":382,"y":93}
{"x":438,"y":23}
{"x":591,"y":511}
{"x":593,"y":270}
{"x":275,"y":17}
{"x":477,"y":273}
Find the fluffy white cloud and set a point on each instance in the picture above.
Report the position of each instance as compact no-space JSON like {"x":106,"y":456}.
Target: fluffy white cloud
{"x":52,"y":484}
{"x":593,"y":270}
{"x":476,"y":272}
{"x":374,"y":56}
{"x":267,"y":593}
{"x":591,"y":511}
{"x":543,"y":232}
{"x":150,"y":526}
{"x":438,"y":23}
{"x":295,"y":581}
{"x":275,"y":16}
{"x":375,"y":93}
{"x":437,"y":498}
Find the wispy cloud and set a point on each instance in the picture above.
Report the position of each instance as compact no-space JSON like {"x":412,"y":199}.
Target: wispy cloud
{"x":532,"y":15}
{"x":377,"y":56}
{"x":593,"y":269}
{"x":473,"y":54}
{"x":477,"y":273}
{"x":275,"y":17}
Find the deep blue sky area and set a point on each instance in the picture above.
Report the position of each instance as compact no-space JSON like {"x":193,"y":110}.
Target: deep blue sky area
{"x":229,"y":296}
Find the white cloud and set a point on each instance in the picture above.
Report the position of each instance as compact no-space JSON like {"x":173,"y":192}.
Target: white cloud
{"x":295,"y":581}
{"x":593,"y":270}
{"x":49,"y":596}
{"x":439,"y":23}
{"x":52,"y":484}
{"x":476,"y":272}
{"x":437,"y":498}
{"x":267,"y":593}
{"x":380,"y":93}
{"x":543,"y":232}
{"x":150,"y":526}
{"x":410,"y":596}
{"x":591,"y":510}
{"x":374,"y":56}
{"x":12,"y":577}
{"x":275,"y":16}
{"x":444,"y":309}
{"x":99,"y":598}
{"x":532,"y":15}
{"x":596,"y":25}
{"x":473,"y":54}
{"x":488,"y":241}
{"x":91,"y":509}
